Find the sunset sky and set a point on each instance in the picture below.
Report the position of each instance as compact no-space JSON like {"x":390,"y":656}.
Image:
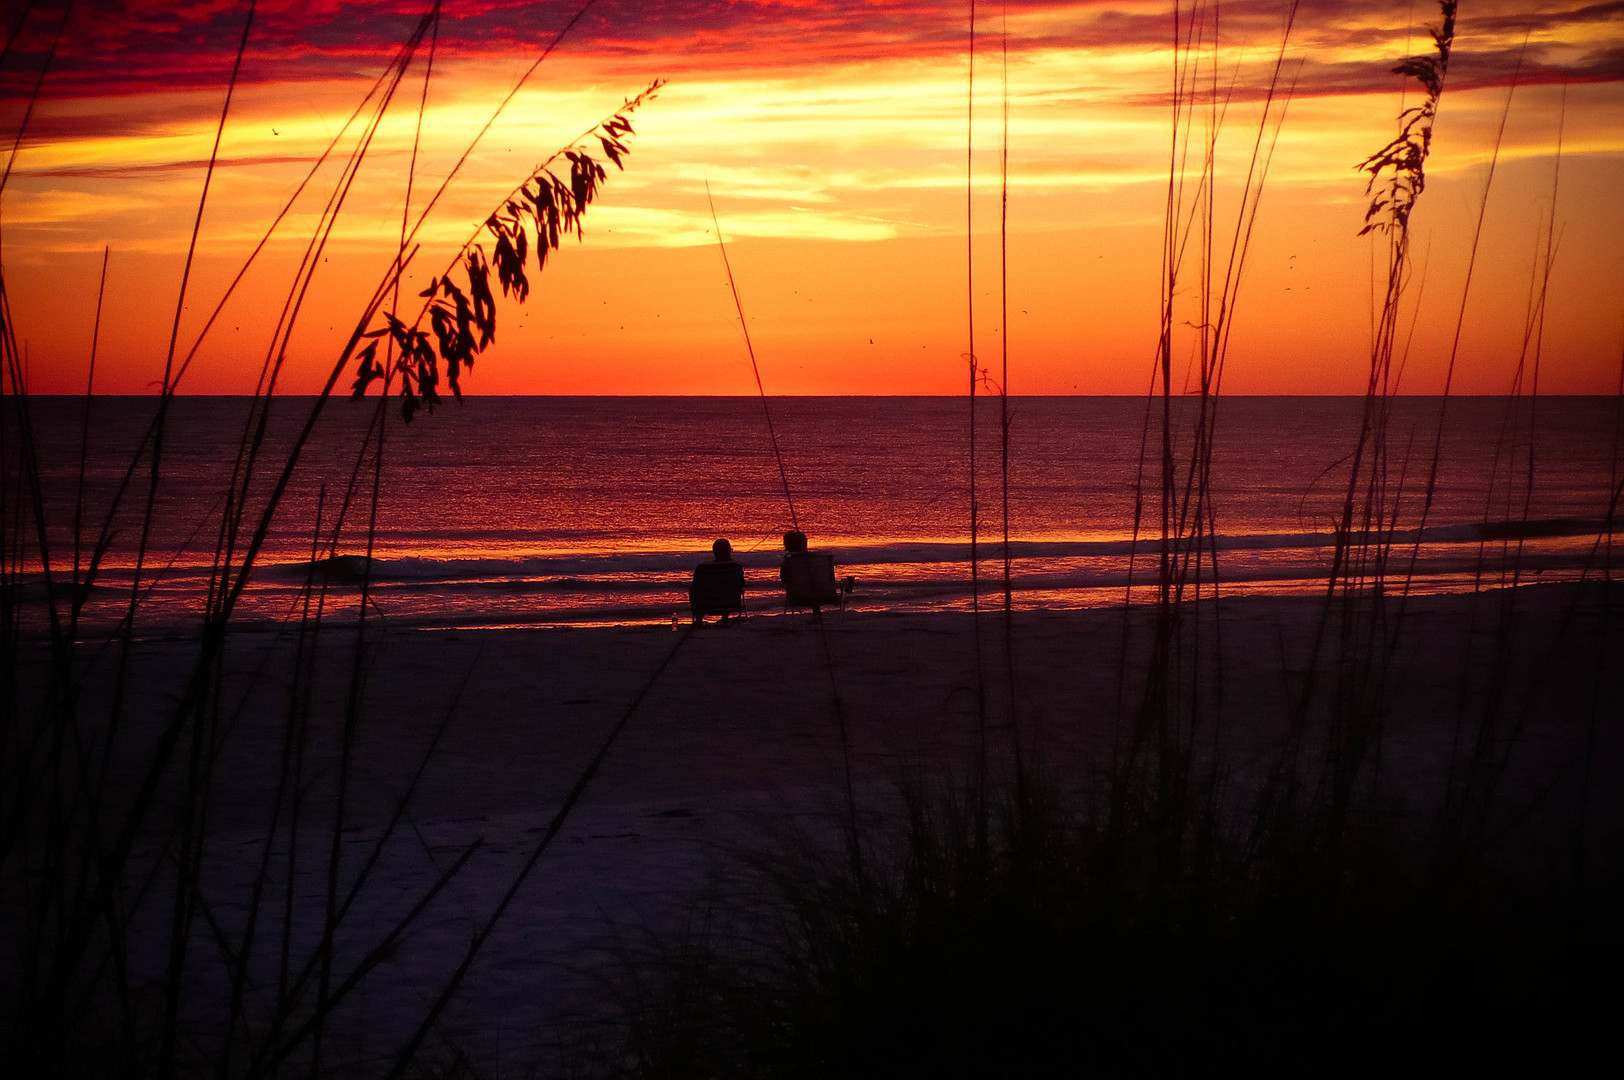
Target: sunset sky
{"x":833,"y":138}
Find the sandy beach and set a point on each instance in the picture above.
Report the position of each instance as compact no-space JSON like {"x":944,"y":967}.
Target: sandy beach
{"x":717,"y":738}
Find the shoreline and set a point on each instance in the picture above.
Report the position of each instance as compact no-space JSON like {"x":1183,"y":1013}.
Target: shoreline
{"x":499,"y":605}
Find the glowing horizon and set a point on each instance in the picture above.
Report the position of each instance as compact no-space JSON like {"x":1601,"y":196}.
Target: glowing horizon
{"x":832,"y":138}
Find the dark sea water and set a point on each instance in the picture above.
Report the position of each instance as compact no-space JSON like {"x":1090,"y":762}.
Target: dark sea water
{"x":529,"y":511}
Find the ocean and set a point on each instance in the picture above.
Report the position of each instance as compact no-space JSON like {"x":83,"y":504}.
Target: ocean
{"x":553,"y":511}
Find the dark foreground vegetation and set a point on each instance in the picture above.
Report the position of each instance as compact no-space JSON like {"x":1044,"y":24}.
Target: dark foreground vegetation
{"x":1162,"y":907}
{"x":1068,"y":947}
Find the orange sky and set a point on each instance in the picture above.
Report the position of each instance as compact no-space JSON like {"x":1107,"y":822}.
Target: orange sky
{"x":833,"y":138}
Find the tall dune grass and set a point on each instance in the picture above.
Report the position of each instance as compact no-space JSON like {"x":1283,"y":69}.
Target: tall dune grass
{"x":1179,"y":709}
{"x":1184,"y":905}
{"x":108,"y":843}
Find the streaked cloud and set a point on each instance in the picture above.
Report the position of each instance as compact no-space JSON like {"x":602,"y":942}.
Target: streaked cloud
{"x":848,"y":101}
{"x":117,"y":47}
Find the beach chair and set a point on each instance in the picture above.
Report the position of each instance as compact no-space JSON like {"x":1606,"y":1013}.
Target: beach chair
{"x":718,"y":589}
{"x":809,"y":581}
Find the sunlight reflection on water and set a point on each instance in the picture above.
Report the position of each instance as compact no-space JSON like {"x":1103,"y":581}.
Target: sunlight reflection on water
{"x":534,"y":511}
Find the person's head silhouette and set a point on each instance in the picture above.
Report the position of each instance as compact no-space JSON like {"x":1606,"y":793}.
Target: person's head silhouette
{"x":722,"y":550}
{"x":795,"y":541}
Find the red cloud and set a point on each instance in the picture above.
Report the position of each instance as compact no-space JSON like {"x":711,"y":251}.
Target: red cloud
{"x":120,"y":47}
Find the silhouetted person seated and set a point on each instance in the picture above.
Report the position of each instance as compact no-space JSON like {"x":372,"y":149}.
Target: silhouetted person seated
{"x":718,"y":587}
{"x":808,"y":576}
